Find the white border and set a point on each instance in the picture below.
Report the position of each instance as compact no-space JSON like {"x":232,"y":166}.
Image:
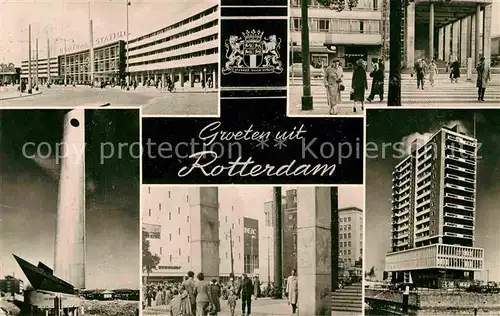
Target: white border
{"x":141,"y":294}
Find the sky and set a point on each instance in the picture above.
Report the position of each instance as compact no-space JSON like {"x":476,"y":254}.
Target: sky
{"x":392,"y":126}
{"x":69,"y":19}
{"x":29,"y":194}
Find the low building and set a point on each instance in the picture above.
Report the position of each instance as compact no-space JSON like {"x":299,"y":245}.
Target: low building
{"x":11,"y":285}
{"x":39,"y":70}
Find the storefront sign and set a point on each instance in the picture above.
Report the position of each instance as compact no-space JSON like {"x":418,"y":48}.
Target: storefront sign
{"x":169,"y":267}
{"x":250,"y":231}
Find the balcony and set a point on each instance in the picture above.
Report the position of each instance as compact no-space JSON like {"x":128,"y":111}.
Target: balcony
{"x":460,"y":226}
{"x":461,"y":150}
{"x":458,"y":216}
{"x":461,"y":140}
{"x":460,"y":207}
{"x":459,"y":197}
{"x":458,"y":187}
{"x":465,"y":236}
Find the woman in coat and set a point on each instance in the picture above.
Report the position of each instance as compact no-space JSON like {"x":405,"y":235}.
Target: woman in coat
{"x":455,"y":71}
{"x":359,"y":84}
{"x":432,"y":72}
{"x":292,"y":290}
{"x":483,"y":77}
{"x":201,"y":294}
{"x":214,"y":294}
{"x":333,"y":83}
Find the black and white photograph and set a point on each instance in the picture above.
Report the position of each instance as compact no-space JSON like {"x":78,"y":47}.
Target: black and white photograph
{"x":432,"y":186}
{"x":451,"y":53}
{"x":256,"y":250}
{"x":70,"y":212}
{"x":160,"y":55}
{"x":338,"y":62}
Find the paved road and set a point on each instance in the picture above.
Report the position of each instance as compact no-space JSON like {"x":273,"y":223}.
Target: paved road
{"x":152,"y":101}
{"x":443,"y":93}
{"x":260,"y":307}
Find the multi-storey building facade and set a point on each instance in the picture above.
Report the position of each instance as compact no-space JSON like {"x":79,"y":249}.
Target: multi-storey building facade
{"x":350,"y":235}
{"x":187,"y":50}
{"x":289,"y":218}
{"x":43,"y":74}
{"x":167,"y":220}
{"x":348,"y":35}
{"x":433,"y":212}
{"x":109,"y":64}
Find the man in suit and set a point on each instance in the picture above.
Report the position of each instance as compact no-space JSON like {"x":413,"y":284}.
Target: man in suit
{"x":245,"y":291}
{"x":188,"y":286}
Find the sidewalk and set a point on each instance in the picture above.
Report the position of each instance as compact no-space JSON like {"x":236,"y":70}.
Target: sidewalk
{"x":8,"y":93}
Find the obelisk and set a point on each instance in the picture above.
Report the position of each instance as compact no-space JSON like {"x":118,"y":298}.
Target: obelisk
{"x":69,"y":260}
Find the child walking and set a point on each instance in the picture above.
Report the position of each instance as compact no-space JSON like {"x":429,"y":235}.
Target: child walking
{"x":231,"y":301}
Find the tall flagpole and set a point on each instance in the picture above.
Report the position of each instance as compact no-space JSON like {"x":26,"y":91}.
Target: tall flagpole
{"x":29,"y":60}
{"x":91,"y":49}
{"x":127,"y":77}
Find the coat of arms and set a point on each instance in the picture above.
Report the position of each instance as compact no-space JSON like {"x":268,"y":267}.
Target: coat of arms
{"x":253,"y":53}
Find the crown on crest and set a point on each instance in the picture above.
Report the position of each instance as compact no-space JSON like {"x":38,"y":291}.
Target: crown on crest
{"x":253,"y":35}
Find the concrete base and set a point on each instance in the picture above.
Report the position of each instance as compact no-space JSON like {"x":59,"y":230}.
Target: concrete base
{"x":314,"y":250}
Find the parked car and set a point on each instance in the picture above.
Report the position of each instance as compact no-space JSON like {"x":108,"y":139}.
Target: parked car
{"x":296,"y":70}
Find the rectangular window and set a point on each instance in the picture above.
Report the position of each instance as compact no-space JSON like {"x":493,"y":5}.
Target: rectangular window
{"x":187,"y":198}
{"x":188,"y":238}
{"x":361,"y":30}
{"x":170,"y":237}
{"x":226,"y":219}
{"x":149,"y":190}
{"x":189,"y":259}
{"x":170,"y":258}
{"x":161,"y":250}
{"x":179,"y":231}
{"x":159,"y":206}
{"x":149,"y":212}
{"x":152,"y":231}
{"x":169,"y":216}
{"x":375,"y":5}
{"x":178,"y":210}
{"x":179,"y":251}
{"x":324,"y":25}
{"x":169,"y":195}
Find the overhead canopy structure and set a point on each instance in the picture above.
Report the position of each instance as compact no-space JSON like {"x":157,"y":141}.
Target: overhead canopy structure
{"x":41,"y":277}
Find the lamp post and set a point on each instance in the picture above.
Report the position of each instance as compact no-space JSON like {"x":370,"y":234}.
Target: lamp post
{"x":29,"y":60}
{"x":204,"y":78}
{"x":127,"y":75}
{"x":307,"y":99}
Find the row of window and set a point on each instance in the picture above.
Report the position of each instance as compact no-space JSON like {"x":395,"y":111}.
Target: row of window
{"x":345,"y":227}
{"x":338,"y":25}
{"x":178,"y":35}
{"x":178,"y":46}
{"x":345,"y":236}
{"x":345,"y":244}
{"x":178,"y":24}
{"x":207,"y":52}
{"x":345,"y":252}
{"x":189,"y":258}
{"x":362,"y":4}
{"x":345,"y":219}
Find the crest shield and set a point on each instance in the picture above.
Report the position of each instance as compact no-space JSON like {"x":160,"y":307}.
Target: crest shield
{"x":253,"y":54}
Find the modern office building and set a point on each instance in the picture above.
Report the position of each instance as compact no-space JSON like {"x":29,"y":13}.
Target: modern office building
{"x":167,"y":218}
{"x":42,"y":70}
{"x":186,"y":51}
{"x":348,"y":35}
{"x":11,"y":285}
{"x":350,"y":236}
{"x":458,"y":29}
{"x":433,"y":212}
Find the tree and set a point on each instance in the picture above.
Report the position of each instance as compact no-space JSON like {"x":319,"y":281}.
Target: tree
{"x":149,"y":261}
{"x":370,"y":274}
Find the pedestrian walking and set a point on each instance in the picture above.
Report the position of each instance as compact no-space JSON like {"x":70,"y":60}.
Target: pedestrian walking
{"x":432,"y":72}
{"x":292,"y":290}
{"x":176,"y":307}
{"x":420,"y":72}
{"x":188,"y":286}
{"x":201,"y":293}
{"x":377,"y":76}
{"x":483,"y":77}
{"x":359,"y":84}
{"x":214,"y":294}
{"x":333,"y":85}
{"x":245,"y":291}
{"x":455,"y":71}
{"x":256,"y":287}
{"x":231,"y":301}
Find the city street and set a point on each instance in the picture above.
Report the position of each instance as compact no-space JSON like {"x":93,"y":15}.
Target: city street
{"x":444,"y":93}
{"x":152,"y":101}
{"x":260,"y":307}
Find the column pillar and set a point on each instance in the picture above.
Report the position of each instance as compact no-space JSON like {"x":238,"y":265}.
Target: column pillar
{"x":190,"y":78}
{"x":447,"y":42}
{"x":213,"y":78}
{"x":410,"y":35}
{"x":487,"y":32}
{"x":454,"y":39}
{"x":463,"y":42}
{"x":142,"y":78}
{"x":441,"y":43}
{"x":477,"y":42}
{"x":163,"y":80}
{"x":314,"y":250}
{"x":469,"y":36}
{"x":204,"y":213}
{"x":431,"y":32}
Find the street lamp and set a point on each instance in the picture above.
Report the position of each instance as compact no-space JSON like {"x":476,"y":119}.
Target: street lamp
{"x":127,"y":75}
{"x":307,"y":99}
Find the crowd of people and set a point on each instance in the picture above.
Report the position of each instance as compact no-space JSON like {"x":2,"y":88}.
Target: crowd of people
{"x":198,"y":297}
{"x":334,"y":84}
{"x":423,"y":69}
